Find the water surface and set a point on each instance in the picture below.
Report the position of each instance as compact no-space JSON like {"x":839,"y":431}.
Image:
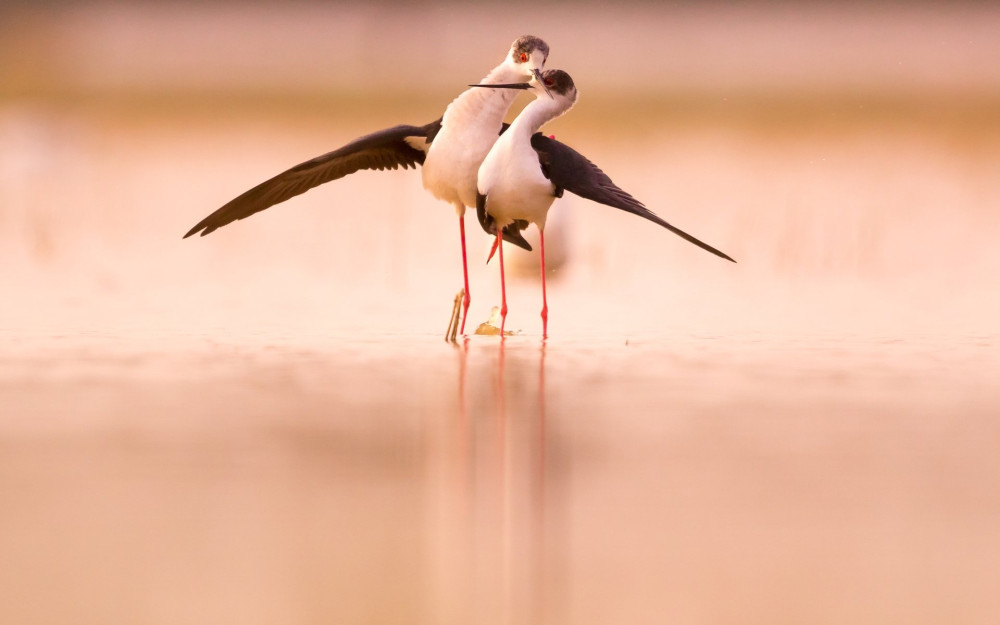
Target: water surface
{"x":374,"y":478}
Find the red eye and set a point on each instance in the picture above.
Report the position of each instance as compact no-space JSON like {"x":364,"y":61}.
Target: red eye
{"x":524,"y":57}
{"x":549,"y":82}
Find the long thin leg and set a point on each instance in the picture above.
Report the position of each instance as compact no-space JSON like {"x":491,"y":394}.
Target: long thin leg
{"x":465,"y":274}
{"x":503,"y":286}
{"x":545,"y":302}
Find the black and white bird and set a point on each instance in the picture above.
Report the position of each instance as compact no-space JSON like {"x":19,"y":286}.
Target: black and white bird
{"x":451,"y":149}
{"x":526,"y":171}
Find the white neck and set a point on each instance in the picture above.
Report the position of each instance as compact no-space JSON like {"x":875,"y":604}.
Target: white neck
{"x":487,"y":107}
{"x":504,"y":73}
{"x":538,"y":112}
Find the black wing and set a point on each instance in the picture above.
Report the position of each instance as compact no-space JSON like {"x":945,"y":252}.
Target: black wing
{"x":385,"y":149}
{"x":511,"y":232}
{"x":570,"y":170}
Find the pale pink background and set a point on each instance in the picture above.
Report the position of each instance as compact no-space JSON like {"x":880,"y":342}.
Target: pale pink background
{"x":264,"y":425}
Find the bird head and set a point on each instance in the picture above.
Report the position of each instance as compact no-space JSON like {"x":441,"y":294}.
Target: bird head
{"x":528,"y":55}
{"x":554,"y":83}
{"x":557,"y":84}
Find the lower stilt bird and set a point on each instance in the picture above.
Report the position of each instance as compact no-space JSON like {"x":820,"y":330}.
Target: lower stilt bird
{"x":526,"y":171}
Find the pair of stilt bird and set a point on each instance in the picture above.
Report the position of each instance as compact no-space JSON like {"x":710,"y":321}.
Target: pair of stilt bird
{"x":510,"y":173}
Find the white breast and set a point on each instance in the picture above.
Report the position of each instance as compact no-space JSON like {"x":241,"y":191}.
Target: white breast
{"x":453,"y":160}
{"x":469,"y":128}
{"x":511,"y":178}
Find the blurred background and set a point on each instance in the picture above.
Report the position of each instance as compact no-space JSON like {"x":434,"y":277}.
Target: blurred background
{"x":200,"y":430}
{"x":826,"y":147}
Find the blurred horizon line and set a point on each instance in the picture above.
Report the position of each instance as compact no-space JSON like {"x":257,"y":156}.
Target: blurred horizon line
{"x":969,"y":113}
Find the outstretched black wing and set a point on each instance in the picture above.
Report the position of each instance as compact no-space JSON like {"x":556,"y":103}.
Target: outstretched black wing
{"x":570,"y":170}
{"x":385,"y":149}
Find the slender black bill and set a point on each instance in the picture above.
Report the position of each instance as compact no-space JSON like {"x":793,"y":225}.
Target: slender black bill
{"x":513,"y":85}
{"x":538,"y":77}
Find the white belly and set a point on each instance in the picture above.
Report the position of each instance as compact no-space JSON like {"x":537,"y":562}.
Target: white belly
{"x":452,"y":163}
{"x":469,"y":129}
{"x":515,"y":188}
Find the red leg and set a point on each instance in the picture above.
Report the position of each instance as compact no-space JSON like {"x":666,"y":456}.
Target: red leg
{"x":503,"y":286}
{"x":465,"y":274}
{"x":545,"y":302}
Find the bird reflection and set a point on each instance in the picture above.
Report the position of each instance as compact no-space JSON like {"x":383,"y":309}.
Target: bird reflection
{"x":498,"y":493}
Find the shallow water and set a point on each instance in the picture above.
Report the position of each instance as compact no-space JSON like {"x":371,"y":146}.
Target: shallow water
{"x":387,"y":479}
{"x":265,"y":425}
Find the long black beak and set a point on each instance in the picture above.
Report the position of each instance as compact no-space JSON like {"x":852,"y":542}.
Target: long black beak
{"x":521,"y":85}
{"x":512,"y":85}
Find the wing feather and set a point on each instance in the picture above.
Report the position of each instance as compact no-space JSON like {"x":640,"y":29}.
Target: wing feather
{"x":382,"y":150}
{"x":571,"y":171}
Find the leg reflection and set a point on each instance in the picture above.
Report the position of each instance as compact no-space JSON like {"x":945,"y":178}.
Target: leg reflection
{"x":520,"y":432}
{"x":539,"y":500}
{"x":494,"y":525}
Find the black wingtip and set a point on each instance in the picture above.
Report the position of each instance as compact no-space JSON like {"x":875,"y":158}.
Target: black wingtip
{"x":703,"y":245}
{"x":193,"y":231}
{"x":642,"y":211}
{"x":200,"y":230}
{"x":722,"y":255}
{"x":648,"y":214}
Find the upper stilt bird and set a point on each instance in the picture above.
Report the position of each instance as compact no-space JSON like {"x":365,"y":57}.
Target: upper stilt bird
{"x":526,"y":171}
{"x":451,"y":149}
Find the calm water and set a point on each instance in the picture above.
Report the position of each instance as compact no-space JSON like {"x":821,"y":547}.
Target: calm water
{"x":400,"y":478}
{"x":265,"y":426}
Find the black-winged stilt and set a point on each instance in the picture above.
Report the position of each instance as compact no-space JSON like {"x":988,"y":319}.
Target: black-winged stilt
{"x":451,"y":149}
{"x":526,"y":171}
